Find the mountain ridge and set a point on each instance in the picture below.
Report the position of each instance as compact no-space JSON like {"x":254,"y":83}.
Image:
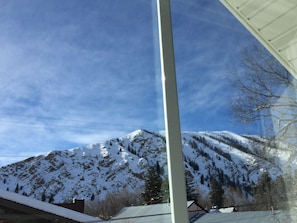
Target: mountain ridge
{"x":93,"y":171}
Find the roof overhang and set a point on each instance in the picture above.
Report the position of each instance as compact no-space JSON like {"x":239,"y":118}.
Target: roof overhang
{"x":273,"y":23}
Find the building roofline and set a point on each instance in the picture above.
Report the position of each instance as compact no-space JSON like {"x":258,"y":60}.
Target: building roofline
{"x":43,"y":209}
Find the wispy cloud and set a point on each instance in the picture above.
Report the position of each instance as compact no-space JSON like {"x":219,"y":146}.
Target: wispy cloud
{"x":207,"y":38}
{"x":76,"y":73}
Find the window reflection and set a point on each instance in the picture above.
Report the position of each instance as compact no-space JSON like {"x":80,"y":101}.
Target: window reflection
{"x":242,"y":101}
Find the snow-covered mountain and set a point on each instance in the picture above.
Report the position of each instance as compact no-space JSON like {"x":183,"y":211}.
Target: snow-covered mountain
{"x":92,"y":172}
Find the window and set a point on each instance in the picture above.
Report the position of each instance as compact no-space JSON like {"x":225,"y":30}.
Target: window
{"x":224,"y":72}
{"x":81,"y":92}
{"x":82,"y":108}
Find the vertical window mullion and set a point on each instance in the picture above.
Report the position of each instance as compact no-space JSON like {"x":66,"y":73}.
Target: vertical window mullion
{"x":176,"y":174}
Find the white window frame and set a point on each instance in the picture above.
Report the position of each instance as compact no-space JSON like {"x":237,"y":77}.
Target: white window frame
{"x":176,"y":174}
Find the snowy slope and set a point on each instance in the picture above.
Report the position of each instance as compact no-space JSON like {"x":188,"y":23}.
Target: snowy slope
{"x":113,"y":165}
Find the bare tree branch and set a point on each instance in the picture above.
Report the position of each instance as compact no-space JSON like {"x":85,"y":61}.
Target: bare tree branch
{"x":264,"y":91}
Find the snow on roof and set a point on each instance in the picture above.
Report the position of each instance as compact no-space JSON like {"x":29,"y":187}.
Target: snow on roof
{"x":143,"y":211}
{"x":47,"y":207}
{"x":227,"y":210}
{"x":156,"y":213}
{"x":249,"y":216}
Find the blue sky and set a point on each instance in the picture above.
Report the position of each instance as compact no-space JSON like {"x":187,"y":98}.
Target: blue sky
{"x":78,"y":72}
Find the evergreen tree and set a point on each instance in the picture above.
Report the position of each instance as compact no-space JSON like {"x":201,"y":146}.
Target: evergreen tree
{"x":191,"y":187}
{"x":165,"y":190}
{"x":158,"y":168}
{"x":16,"y":190}
{"x":51,"y":199}
{"x":216,"y":194}
{"x":262,"y":192}
{"x":93,"y":197}
{"x":202,"y":179}
{"x":273,"y":193}
{"x":43,"y":196}
{"x":153,"y":184}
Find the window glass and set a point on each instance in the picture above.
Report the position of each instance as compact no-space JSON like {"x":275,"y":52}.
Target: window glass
{"x":82,"y":113}
{"x":82,"y":109}
{"x":238,"y":116}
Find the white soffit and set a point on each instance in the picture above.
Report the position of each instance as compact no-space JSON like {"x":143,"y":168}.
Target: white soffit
{"x":273,"y":23}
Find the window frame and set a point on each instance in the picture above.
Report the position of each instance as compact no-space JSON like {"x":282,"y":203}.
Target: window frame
{"x":176,"y":172}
